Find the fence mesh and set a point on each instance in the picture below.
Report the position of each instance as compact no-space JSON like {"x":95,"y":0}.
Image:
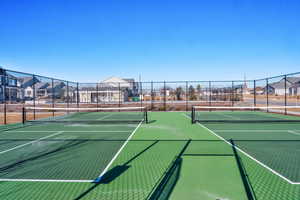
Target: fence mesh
{"x":19,"y":89}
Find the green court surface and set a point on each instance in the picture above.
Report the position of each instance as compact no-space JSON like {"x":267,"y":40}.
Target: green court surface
{"x":167,"y":158}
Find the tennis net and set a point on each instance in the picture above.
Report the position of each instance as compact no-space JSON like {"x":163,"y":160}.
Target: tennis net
{"x":85,"y":115}
{"x":245,"y":114}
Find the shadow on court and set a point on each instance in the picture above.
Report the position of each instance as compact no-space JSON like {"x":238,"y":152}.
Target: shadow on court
{"x":151,"y":121}
{"x":7,"y":167}
{"x":115,"y":172}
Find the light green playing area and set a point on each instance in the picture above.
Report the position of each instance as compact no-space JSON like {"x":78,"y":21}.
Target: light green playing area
{"x":167,"y":158}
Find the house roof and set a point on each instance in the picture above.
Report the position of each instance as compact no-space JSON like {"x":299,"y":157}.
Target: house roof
{"x":293,"y":79}
{"x":56,"y":84}
{"x":113,"y":79}
{"x":41,"y":85}
{"x":27,"y":81}
{"x":280,"y":85}
{"x":116,"y":82}
{"x":129,"y":80}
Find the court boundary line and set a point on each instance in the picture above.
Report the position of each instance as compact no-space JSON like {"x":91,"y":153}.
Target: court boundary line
{"x":248,"y":155}
{"x":70,"y":131}
{"x":99,"y":178}
{"x":104,"y":117}
{"x":34,"y":141}
{"x":257,"y":130}
{"x":45,"y":180}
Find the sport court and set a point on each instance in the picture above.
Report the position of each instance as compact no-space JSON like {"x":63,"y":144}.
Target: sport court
{"x":96,"y":155}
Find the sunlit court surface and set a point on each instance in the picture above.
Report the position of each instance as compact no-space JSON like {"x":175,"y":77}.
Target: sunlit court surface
{"x":149,"y":100}
{"x":88,"y":154}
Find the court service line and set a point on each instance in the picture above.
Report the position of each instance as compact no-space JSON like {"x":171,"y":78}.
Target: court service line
{"x":294,"y":132}
{"x":245,"y":130}
{"x":22,"y":145}
{"x":70,"y":131}
{"x":104,"y":117}
{"x":249,"y":156}
{"x":232,"y":117}
{"x":98,"y":179}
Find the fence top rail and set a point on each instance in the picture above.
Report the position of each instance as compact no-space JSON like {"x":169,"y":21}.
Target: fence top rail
{"x":156,"y":82}
{"x":29,"y":74}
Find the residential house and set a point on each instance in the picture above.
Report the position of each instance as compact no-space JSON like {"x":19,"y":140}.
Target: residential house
{"x":56,"y":90}
{"x":26,"y":87}
{"x":295,"y":88}
{"x":41,"y":89}
{"x":113,"y":89}
{"x":291,"y":87}
{"x":8,"y":87}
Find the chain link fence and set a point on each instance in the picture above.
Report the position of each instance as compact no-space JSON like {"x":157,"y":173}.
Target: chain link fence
{"x":19,"y":89}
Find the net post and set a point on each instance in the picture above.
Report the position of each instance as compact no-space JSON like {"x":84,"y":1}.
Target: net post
{"x":146,"y":115}
{"x":193,"y":115}
{"x":285,"y":95}
{"x":23,"y":115}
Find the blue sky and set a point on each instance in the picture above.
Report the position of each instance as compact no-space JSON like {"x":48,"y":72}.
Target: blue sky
{"x":87,"y":41}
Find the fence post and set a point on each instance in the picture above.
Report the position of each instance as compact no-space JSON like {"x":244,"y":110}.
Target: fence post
{"x":119,"y":88}
{"x":267,"y":83}
{"x":187,"y":95}
{"x":165,"y":97}
{"x":152,"y":95}
{"x":209,"y":88}
{"x":285,"y":96}
{"x":33,"y":97}
{"x":68,"y":97}
{"x":141,"y":94}
{"x":77,"y":95}
{"x":254,"y":93}
{"x":97,"y":95}
{"x":52,"y":96}
{"x":4,"y":96}
{"x":232,"y":94}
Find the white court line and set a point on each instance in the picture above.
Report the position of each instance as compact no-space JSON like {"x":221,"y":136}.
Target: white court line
{"x":294,"y":132}
{"x":22,"y":145}
{"x":245,"y":130}
{"x":68,"y":131}
{"x":249,"y":156}
{"x":45,"y":180}
{"x":232,"y":117}
{"x":74,"y":181}
{"x":104,"y":117}
{"x":98,"y":179}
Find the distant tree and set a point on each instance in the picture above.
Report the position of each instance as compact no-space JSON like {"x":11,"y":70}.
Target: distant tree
{"x":199,"y":88}
{"x":192,"y":93}
{"x":179,"y":92}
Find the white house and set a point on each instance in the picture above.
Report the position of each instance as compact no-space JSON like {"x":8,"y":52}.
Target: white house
{"x":291,"y":87}
{"x":113,"y":89}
